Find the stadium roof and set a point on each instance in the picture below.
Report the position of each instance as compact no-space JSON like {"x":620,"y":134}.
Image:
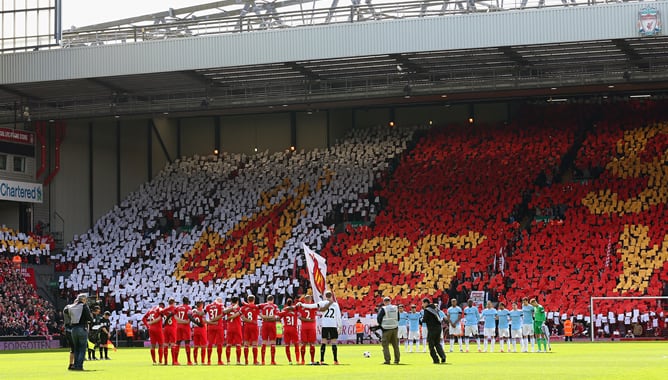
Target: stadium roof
{"x":636,"y":65}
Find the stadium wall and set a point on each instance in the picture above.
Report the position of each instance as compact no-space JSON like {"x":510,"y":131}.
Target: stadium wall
{"x":69,"y":191}
{"x":133,"y":152}
{"x":242,"y":134}
{"x":9,"y":215}
{"x":338,"y":122}
{"x":312,"y":130}
{"x":168,"y":132}
{"x":104,"y":170}
{"x":197,"y":136}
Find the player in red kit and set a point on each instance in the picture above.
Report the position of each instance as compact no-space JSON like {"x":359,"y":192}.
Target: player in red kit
{"x":169,"y":330}
{"x":289,"y":316}
{"x":153,"y":322}
{"x":308,"y":332}
{"x":234,"y":331}
{"x":199,"y":331}
{"x":249,"y":315}
{"x":215,"y":330}
{"x":182,"y":315}
{"x":269,"y":314}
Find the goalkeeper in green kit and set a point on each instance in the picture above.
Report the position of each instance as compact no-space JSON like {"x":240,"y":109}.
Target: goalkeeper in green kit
{"x":538,"y":321}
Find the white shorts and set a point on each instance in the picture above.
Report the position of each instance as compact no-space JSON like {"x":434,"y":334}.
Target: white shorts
{"x":471,"y":331}
{"x":516,"y":334}
{"x":414,"y":335}
{"x":402,"y":333}
{"x":527,"y":330}
{"x":490,"y":332}
{"x":455,"y":331}
{"x":504,"y":333}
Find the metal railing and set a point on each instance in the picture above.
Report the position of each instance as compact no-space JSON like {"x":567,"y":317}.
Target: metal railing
{"x":236,"y":20}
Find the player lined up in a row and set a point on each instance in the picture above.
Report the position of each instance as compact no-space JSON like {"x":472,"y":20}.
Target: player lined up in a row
{"x":514,"y":326}
{"x":237,"y":326}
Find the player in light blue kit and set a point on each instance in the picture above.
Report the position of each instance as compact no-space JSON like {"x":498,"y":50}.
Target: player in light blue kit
{"x":444,"y":320}
{"x":502,"y":316}
{"x":455,"y":325}
{"x":527,"y":326}
{"x":516,"y":327}
{"x":471,"y":318}
{"x":489,"y":316}
{"x":402,"y":332}
{"x":414,"y":329}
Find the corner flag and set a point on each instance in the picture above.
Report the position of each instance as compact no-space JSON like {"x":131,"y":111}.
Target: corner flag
{"x":111,"y":345}
{"x":317,"y":272}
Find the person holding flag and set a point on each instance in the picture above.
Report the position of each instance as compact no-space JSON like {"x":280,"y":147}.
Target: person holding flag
{"x":331,"y":324}
{"x":331,"y":319}
{"x":317,"y":271}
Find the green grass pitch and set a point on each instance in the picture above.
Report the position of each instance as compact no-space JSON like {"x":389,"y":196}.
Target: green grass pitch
{"x":619,"y":360}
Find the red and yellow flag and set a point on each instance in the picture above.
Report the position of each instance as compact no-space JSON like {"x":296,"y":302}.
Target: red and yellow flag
{"x":317,"y":272}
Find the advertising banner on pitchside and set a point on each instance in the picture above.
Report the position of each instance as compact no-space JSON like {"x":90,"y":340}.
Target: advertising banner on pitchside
{"x":20,"y":191}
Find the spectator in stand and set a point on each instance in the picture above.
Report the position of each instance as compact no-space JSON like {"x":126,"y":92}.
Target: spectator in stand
{"x":22,"y":311}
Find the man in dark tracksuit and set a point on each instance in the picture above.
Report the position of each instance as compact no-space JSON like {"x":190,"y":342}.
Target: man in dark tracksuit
{"x":433,"y":322}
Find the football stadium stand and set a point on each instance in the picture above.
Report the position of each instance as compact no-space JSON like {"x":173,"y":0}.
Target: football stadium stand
{"x":228,"y":224}
{"x":564,"y":204}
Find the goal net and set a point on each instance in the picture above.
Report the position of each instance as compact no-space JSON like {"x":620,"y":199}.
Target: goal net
{"x":617,"y":318}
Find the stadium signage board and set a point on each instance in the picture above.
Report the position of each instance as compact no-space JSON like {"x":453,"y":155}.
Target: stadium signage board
{"x":21,"y":191}
{"x":17,"y":136}
{"x":29,"y":345}
{"x":649,"y":21}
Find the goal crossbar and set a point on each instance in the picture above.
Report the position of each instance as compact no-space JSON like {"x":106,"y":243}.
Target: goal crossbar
{"x":591,"y":306}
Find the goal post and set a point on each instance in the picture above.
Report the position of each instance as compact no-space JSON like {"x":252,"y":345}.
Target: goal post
{"x":617,"y":298}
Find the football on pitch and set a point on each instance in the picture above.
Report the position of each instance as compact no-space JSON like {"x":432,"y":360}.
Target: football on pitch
{"x":367,"y":354}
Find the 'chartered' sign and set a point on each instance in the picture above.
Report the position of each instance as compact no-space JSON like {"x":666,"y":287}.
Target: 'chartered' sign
{"x":20,"y":191}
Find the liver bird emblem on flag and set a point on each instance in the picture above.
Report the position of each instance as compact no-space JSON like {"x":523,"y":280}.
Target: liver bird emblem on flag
{"x":317,"y":270}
